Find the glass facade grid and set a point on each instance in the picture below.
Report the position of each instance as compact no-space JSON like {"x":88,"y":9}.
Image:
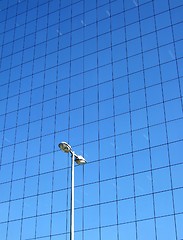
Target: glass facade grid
{"x":105,"y":76}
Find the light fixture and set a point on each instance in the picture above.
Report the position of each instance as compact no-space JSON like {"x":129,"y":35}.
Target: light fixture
{"x":65,"y":147}
{"x":79,"y":160}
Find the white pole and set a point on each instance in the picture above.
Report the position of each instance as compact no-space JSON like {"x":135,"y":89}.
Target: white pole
{"x":72,"y":198}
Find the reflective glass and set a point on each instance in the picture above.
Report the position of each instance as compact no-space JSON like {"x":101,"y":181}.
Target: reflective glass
{"x":159,"y":156}
{"x":124,"y":165}
{"x":107,"y":169}
{"x":31,"y":181}
{"x":174,"y":149}
{"x":43,"y":221}
{"x":177,"y":106}
{"x":14,"y":230}
{"x":174,"y":135}
{"x":15,"y":210}
{"x":167,"y":90}
{"x":162,"y":209}
{"x":163,"y":20}
{"x":167,"y":53}
{"x":142,"y":161}
{"x":44,"y":204}
{"x":126,"y":211}
{"x":144,"y":201}
{"x":4,"y":211}
{"x":176,"y":171}
{"x":123,"y":143}
{"x":122,"y":123}
{"x":140,"y":139}
{"x":156,"y":114}
{"x":93,"y":221}
{"x":3,"y":228}
{"x":106,"y":77}
{"x":123,"y":190}
{"x":139,"y":119}
{"x":91,"y":194}
{"x":167,"y":229}
{"x":143,"y":183}
{"x":108,"y":209}
{"x":110,"y":232}
{"x":6,"y":173}
{"x":28,"y":228}
{"x":147,"y":25}
{"x":106,"y":187}
{"x":178,"y":223}
{"x":149,"y":225}
{"x":140,"y":95}
{"x":16,"y":190}
{"x":162,"y":137}
{"x":29,"y":206}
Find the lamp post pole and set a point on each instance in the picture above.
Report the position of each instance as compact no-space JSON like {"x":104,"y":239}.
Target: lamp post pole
{"x":72,"y":199}
{"x":65,"y":147}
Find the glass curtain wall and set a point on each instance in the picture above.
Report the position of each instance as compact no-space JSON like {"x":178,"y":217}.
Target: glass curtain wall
{"x":106,"y":76}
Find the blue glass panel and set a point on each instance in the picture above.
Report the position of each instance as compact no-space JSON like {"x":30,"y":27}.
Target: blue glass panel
{"x":106,"y":187}
{"x":146,"y":229}
{"x":125,"y":187}
{"x":173,"y":110}
{"x":28,"y":228}
{"x":140,"y":203}
{"x":141,"y":161}
{"x":91,"y":194}
{"x":126,"y":211}
{"x":176,"y":13}
{"x":123,"y":143}
{"x":108,"y":209}
{"x":43,"y":221}
{"x":173,"y":134}
{"x":160,"y":131}
{"x":124,"y":165}
{"x":14,"y":228}
{"x":30,"y":191}
{"x":4,"y":207}
{"x":139,"y":119}
{"x":159,"y":157}
{"x":176,"y":175}
{"x":3,"y":228}
{"x":160,"y":7}
{"x":174,"y":150}
{"x":140,"y":139}
{"x":93,"y":232}
{"x":162,"y":209}
{"x":128,"y":230}
{"x":15,"y":211}
{"x":110,"y":232}
{"x":179,"y":219}
{"x":91,"y":222}
{"x":143,"y":183}
{"x":165,"y":228}
{"x":146,"y":10}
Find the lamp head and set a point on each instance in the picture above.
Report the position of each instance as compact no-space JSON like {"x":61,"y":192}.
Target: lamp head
{"x":65,"y":147}
{"x":79,"y":160}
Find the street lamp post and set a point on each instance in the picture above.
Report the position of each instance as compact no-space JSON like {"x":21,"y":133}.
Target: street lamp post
{"x":65,"y":147}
